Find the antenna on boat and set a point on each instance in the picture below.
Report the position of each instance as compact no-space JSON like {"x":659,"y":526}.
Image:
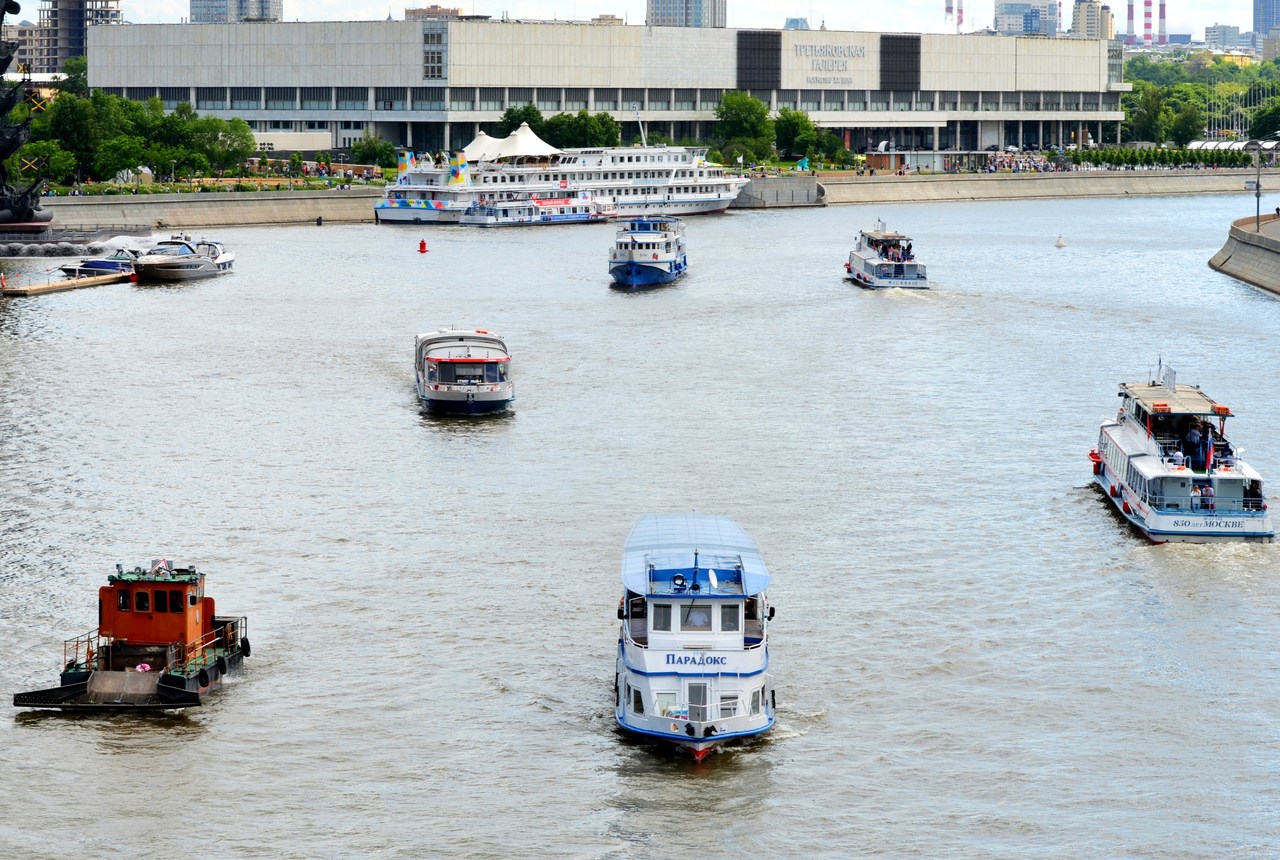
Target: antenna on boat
{"x":694,"y":586}
{"x":644,"y":142}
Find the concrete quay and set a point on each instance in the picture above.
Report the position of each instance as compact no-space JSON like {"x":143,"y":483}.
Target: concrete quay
{"x":215,"y":208}
{"x":1251,"y":254}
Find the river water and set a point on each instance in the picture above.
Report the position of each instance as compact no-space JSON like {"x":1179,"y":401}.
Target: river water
{"x":974,"y":657}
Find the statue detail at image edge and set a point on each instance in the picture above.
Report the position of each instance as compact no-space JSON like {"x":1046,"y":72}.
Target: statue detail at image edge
{"x":16,"y":207}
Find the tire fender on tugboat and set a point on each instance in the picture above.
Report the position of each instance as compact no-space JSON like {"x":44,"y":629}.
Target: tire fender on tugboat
{"x":222,"y":665}
{"x":244,"y":646}
{"x":203,"y":677}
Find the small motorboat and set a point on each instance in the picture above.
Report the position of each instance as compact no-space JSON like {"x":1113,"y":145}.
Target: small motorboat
{"x":159,"y":645}
{"x":648,"y":251}
{"x":180,"y":259}
{"x":693,"y":644}
{"x":463,"y":371}
{"x":882,"y":259}
{"x":1167,"y":465}
{"x":118,"y":263}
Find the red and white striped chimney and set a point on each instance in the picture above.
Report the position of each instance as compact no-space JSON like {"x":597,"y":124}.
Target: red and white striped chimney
{"x":1164,"y":35}
{"x":1146,"y":23}
{"x":959,"y":14}
{"x":1131,"y":39}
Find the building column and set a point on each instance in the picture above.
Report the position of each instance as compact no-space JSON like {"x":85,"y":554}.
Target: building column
{"x":448,"y":136}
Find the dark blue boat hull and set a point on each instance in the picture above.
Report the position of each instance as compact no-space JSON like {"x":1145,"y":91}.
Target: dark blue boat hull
{"x":632,"y":274}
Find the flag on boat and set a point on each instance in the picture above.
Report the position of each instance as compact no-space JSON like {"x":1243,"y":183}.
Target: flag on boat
{"x":1208,"y":457}
{"x":739,"y":158}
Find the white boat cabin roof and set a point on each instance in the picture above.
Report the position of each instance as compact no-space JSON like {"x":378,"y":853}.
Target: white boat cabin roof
{"x":885,"y":236}
{"x":457,"y":343}
{"x":1179,"y":400}
{"x":692,"y":555}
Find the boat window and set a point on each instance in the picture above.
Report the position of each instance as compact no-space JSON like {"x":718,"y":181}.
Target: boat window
{"x":662,"y":616}
{"x":728,"y":704}
{"x":755,"y":701}
{"x":431,"y":371}
{"x":729,"y":618}
{"x":695,"y":617}
{"x":124,"y":600}
{"x":191,"y":599}
{"x":664,"y":704}
{"x":491,"y":372}
{"x":162,"y":600}
{"x":699,"y":702}
{"x":142,"y":601}
{"x":637,"y":701}
{"x":175,"y":601}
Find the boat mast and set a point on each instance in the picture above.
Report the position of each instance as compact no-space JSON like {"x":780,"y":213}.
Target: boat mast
{"x":644,"y":143}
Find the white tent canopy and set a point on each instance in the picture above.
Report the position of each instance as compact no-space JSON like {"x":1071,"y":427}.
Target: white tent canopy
{"x":480,"y":148}
{"x":521,"y":143}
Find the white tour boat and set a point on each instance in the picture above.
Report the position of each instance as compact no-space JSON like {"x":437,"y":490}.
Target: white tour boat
{"x":1167,"y":465}
{"x":634,"y":180}
{"x":536,"y":208}
{"x":464,"y":371}
{"x":180,"y":259}
{"x":693,"y":649}
{"x":883,"y":259}
{"x":648,"y":251}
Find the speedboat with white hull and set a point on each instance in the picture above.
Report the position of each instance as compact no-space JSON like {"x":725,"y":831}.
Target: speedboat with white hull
{"x":1167,"y":465}
{"x":180,"y":259}
{"x":463,"y":371}
{"x":693,"y":649}
{"x":648,"y":251}
{"x":882,"y":259}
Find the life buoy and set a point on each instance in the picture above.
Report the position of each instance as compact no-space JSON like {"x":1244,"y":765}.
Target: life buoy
{"x":1097,"y":468}
{"x":655,"y":256}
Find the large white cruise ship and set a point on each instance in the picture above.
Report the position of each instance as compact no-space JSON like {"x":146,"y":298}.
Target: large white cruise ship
{"x":640,"y":180}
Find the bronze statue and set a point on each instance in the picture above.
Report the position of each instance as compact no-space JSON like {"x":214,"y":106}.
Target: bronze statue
{"x":16,"y":206}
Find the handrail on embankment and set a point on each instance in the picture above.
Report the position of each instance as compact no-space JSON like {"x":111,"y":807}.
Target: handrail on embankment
{"x":1251,"y":254}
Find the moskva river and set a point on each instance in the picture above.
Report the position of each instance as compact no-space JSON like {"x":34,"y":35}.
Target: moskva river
{"x":974,"y":656}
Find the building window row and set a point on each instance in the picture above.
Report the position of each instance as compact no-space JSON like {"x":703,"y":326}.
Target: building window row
{"x":625,"y":100}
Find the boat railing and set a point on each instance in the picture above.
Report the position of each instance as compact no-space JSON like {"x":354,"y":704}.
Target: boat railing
{"x":637,"y":634}
{"x":223,"y":639}
{"x":1213,"y":506}
{"x":80,"y":651}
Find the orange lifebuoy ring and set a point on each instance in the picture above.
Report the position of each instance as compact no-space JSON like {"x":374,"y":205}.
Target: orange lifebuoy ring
{"x":655,"y":256}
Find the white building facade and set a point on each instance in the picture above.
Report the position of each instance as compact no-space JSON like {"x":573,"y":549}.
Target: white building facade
{"x":432,"y":85}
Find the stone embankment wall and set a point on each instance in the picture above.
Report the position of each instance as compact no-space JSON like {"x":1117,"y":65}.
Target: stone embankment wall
{"x":215,"y":208}
{"x":851,"y":189}
{"x":1251,"y":256}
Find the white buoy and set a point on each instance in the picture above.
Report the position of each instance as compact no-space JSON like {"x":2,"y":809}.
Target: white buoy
{"x":1059,"y":243}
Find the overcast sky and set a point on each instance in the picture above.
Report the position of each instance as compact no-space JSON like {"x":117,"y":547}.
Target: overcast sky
{"x":910,"y":16}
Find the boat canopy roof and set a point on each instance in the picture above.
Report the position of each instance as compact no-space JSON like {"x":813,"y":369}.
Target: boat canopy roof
{"x":461,"y":343}
{"x":886,"y":236}
{"x":681,"y":554}
{"x":1178,"y":400}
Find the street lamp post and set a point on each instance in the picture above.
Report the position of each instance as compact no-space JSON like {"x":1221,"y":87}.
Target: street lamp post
{"x":1255,"y":147}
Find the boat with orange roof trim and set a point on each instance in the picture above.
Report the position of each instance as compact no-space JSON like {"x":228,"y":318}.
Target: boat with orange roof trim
{"x":159,"y":645}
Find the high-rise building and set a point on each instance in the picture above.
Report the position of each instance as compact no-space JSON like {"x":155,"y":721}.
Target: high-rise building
{"x":24,"y":36}
{"x":1027,"y":18}
{"x":1091,"y":19}
{"x":62,"y":31}
{"x":1264,"y":15}
{"x":686,"y":13}
{"x":1222,"y":36}
{"x":235,"y":11}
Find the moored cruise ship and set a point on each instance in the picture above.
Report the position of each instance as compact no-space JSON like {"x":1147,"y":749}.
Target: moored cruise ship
{"x":1167,"y":465}
{"x":652,"y":180}
{"x":693,"y":647}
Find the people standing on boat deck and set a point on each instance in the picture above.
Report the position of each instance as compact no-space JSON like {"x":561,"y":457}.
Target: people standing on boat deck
{"x":1176,"y":458}
{"x":1206,"y":497}
{"x":1195,"y":497}
{"x":906,"y":253}
{"x":1193,"y":446}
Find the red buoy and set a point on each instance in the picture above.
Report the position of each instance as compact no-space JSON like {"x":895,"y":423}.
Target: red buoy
{"x":422,"y":246}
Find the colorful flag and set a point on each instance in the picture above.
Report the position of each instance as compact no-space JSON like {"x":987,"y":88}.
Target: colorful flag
{"x":1208,"y":458}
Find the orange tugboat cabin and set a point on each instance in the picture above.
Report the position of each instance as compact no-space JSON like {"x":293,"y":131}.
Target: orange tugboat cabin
{"x":155,"y":607}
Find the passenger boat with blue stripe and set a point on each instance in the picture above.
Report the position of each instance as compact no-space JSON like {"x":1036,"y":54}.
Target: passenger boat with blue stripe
{"x":549,"y":207}
{"x":1167,"y":465}
{"x":159,"y":645}
{"x":648,"y":251}
{"x":465,"y":371}
{"x":693,"y":648}
{"x":882,"y":259}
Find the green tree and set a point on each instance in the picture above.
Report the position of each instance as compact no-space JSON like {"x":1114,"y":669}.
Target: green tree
{"x":1145,"y":113}
{"x":607,"y":130}
{"x":370,"y":149}
{"x":513,"y":116}
{"x":295,"y":164}
{"x":743,"y":117}
{"x":794,"y":131}
{"x":1188,"y":125}
{"x":75,"y":76}
{"x":1267,"y":120}
{"x":53,"y":162}
{"x":117,"y":154}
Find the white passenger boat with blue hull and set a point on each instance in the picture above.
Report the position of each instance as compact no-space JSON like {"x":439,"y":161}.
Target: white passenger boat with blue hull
{"x":465,"y":371}
{"x":693,"y":649}
{"x":882,"y":259}
{"x":1167,"y":465}
{"x":648,"y":251}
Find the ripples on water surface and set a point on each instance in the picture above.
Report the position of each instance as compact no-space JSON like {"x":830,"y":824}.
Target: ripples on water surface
{"x":974,"y":657}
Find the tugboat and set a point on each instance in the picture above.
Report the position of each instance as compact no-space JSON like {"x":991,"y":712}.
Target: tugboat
{"x":693,"y":647}
{"x":647,"y":252}
{"x":159,"y":645}
{"x":1167,"y":465}
{"x":463,"y":371}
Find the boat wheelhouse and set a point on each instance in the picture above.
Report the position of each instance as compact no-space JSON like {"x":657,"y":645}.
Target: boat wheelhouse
{"x":1167,"y":465}
{"x":648,"y":251}
{"x":882,"y":259}
{"x":159,"y":645}
{"x":644,"y":180}
{"x":693,"y":648}
{"x":463,"y":371}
